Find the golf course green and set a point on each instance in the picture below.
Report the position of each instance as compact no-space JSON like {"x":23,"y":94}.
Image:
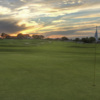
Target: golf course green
{"x":48,"y":70}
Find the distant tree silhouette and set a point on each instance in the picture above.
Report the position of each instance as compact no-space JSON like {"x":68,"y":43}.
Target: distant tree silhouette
{"x":23,"y":36}
{"x":85,"y":40}
{"x":37,"y":36}
{"x":91,"y":39}
{"x":77,"y":39}
{"x":20,"y":36}
{"x":88,"y":40}
{"x":8,"y":37}
{"x":48,"y":38}
{"x":3,"y":35}
{"x":64,"y":38}
{"x":57,"y":39}
{"x":26,"y":36}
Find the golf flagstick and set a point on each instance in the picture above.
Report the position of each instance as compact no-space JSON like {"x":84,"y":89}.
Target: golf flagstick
{"x":94,"y":84}
{"x":96,"y":37}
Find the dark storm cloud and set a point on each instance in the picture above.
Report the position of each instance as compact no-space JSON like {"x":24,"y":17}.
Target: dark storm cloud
{"x":10,"y":26}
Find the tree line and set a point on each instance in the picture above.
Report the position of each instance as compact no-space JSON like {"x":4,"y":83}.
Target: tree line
{"x":86,"y":39}
{"x":27,"y":36}
{"x":21,"y":36}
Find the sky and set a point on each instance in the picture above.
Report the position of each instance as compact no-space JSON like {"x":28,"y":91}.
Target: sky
{"x":51,"y":18}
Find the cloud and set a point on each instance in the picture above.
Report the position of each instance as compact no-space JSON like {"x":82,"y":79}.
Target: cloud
{"x":89,"y":16}
{"x":47,"y":8}
{"x":58,"y":21}
{"x":4,"y":10}
{"x":10,"y":26}
{"x":69,"y":32}
{"x":51,"y":17}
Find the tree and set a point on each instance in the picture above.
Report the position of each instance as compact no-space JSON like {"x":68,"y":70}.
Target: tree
{"x":77,"y":39}
{"x":41,"y":36}
{"x":91,"y":39}
{"x":98,"y":38}
{"x":85,"y":40}
{"x":37,"y":36}
{"x":3,"y":35}
{"x":8,"y":37}
{"x":64,"y":38}
{"x":20,"y":36}
{"x":26,"y":36}
{"x":88,"y":40}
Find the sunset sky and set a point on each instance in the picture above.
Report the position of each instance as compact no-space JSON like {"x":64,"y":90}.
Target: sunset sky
{"x":51,"y":18}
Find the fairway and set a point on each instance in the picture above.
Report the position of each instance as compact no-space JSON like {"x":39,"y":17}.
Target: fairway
{"x":48,"y":70}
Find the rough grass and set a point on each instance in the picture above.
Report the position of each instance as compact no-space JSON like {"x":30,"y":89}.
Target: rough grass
{"x":48,"y":70}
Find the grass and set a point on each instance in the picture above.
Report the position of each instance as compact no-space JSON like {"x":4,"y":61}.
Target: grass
{"x":48,"y":70}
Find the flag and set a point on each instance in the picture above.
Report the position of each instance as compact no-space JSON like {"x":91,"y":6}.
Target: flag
{"x":96,"y":35}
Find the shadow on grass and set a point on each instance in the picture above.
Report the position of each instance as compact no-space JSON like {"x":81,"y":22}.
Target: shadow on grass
{"x":30,"y":50}
{"x":80,"y":47}
{"x":14,"y":50}
{"x":18,"y":50}
{"x":81,"y":53}
{"x":12,"y":45}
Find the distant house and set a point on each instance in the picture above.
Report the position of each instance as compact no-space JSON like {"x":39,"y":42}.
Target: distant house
{"x":1,"y":37}
{"x":26,"y":36}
